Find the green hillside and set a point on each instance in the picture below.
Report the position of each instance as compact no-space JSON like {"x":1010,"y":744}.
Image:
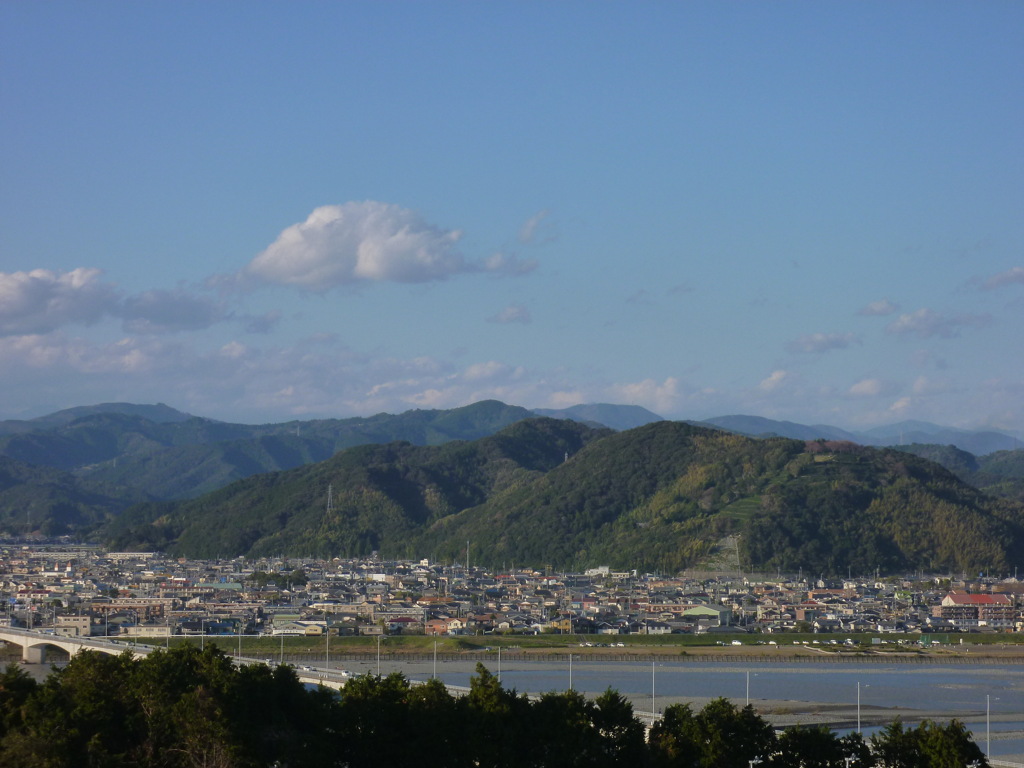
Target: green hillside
{"x":998,"y":474}
{"x":364,"y":499}
{"x":49,"y":501}
{"x":659,"y":496}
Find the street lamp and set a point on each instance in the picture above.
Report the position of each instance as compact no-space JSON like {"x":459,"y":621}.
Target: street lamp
{"x":378,"y":656}
{"x":858,"y":705}
{"x":988,"y":726}
{"x":654,"y":707}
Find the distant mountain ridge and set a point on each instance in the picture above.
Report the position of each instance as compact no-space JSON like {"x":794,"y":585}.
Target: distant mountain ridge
{"x":159,"y":413}
{"x":904,"y":433}
{"x":182,"y":457}
{"x":605,"y":414}
{"x":758,"y":426}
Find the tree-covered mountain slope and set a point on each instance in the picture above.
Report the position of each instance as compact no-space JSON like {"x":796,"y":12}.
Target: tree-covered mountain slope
{"x":48,"y":501}
{"x":556,"y":492}
{"x":364,"y":499}
{"x":997,"y":474}
{"x":661,"y":496}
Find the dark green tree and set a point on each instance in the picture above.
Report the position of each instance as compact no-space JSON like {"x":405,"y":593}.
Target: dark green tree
{"x":896,"y":747}
{"x":16,"y":687}
{"x":621,"y":735}
{"x":808,"y":747}
{"x":947,"y":746}
{"x":730,"y":737}
{"x":672,"y":742}
{"x":498,"y":722}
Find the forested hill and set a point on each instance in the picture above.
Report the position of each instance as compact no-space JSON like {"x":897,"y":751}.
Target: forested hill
{"x":560,"y":493}
{"x":998,"y":474}
{"x":663,"y":495}
{"x":364,"y":499}
{"x":53,"y":502}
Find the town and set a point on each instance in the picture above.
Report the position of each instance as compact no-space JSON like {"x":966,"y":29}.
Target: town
{"x":79,"y":590}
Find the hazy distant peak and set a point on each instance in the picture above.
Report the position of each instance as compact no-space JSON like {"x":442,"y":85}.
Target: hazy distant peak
{"x":759,"y":426}
{"x":159,"y":413}
{"x":618,"y":417}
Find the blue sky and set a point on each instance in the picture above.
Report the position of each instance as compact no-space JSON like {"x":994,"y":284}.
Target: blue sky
{"x":265,"y":211}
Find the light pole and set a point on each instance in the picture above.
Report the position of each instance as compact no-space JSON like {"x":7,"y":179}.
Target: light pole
{"x":654,"y":707}
{"x":988,"y":726}
{"x":433,"y":675}
{"x":281,"y":657}
{"x":570,"y":671}
{"x":858,"y":705}
{"x":378,"y":656}
{"x":327,"y":630}
{"x":499,"y":665}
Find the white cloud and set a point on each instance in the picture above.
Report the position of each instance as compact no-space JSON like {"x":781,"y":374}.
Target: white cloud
{"x":357,"y":241}
{"x":817,"y":343}
{"x":880,"y":307}
{"x":773,"y":382}
{"x":42,"y":300}
{"x":1010,"y":276}
{"x":901,"y":406}
{"x":514,"y":313}
{"x":926,"y":323}
{"x":537,"y":229}
{"x":867,"y":388}
{"x":367,"y":242}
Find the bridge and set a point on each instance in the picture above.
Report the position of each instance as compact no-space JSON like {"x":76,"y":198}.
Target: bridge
{"x":35,"y":642}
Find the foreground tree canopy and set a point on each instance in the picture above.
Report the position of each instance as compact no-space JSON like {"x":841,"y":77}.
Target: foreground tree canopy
{"x":188,"y":708}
